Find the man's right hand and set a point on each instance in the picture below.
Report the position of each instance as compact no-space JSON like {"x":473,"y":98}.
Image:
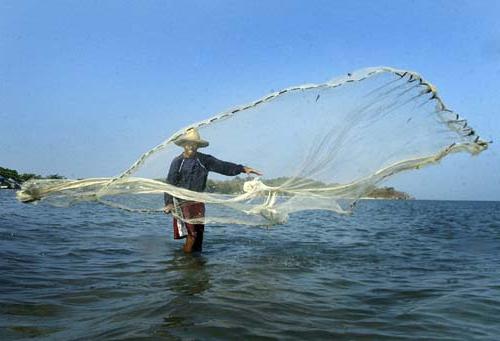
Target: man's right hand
{"x":168,"y":208}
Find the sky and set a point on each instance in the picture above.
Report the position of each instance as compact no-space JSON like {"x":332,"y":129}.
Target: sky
{"x":88,"y":86}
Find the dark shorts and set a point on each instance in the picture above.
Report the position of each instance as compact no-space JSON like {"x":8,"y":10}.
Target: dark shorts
{"x":191,"y":210}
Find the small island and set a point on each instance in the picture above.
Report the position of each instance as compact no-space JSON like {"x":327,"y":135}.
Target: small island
{"x":388,"y":193}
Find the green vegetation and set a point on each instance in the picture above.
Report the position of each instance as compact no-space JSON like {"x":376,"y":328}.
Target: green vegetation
{"x":388,"y":193}
{"x":235,"y":185}
{"x":22,"y":177}
{"x":232,"y":186}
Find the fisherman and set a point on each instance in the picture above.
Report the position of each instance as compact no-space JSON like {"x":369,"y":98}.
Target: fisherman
{"x":190,"y":170}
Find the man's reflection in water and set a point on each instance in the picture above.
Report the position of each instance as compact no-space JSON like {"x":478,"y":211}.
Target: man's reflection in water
{"x":191,"y":279}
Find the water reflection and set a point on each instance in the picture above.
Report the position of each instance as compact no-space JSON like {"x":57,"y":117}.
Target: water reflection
{"x":191,"y":281}
{"x":193,"y":278}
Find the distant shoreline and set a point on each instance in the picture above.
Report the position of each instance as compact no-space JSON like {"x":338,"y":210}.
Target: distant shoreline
{"x":235,"y":186}
{"x":11,"y":179}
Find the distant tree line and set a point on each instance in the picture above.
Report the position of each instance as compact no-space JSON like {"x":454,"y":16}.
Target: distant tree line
{"x":22,"y":177}
{"x":235,"y":186}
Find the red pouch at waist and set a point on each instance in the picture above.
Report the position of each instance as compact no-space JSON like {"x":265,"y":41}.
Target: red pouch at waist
{"x":190,"y":210}
{"x":193,"y":210}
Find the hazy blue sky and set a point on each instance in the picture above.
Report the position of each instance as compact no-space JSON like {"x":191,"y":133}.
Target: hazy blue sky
{"x":87,"y":86}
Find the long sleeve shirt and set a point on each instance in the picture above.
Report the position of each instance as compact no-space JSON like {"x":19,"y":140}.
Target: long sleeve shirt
{"x":192,"y":173}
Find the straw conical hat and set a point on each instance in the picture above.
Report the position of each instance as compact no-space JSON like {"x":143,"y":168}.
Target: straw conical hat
{"x":191,"y":135}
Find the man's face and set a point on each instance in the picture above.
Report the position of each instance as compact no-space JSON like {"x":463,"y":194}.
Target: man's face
{"x":190,"y":149}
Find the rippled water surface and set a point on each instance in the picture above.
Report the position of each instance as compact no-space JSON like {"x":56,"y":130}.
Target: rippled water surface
{"x":393,"y":270}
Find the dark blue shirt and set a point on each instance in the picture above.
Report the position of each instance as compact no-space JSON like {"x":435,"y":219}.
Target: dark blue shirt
{"x":192,"y":173}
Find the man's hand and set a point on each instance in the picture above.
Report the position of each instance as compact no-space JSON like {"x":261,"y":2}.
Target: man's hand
{"x":249,"y":170}
{"x":168,"y":208}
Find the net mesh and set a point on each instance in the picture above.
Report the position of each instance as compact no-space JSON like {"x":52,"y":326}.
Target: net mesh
{"x":320,"y":146}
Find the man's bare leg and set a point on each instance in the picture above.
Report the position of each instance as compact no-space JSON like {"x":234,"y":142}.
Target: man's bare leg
{"x":188,"y":246}
{"x":194,"y":242}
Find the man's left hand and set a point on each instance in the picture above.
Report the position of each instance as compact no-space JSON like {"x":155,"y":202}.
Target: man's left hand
{"x":249,"y":170}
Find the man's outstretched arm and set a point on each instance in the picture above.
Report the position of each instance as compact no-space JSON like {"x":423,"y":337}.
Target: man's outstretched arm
{"x":227,"y":168}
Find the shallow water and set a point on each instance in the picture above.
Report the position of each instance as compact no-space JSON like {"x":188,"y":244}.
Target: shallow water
{"x":393,"y":270}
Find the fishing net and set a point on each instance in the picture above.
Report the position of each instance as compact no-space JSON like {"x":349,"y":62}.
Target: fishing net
{"x":320,"y":146}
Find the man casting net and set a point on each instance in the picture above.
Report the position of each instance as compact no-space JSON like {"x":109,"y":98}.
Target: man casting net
{"x":320,"y":146}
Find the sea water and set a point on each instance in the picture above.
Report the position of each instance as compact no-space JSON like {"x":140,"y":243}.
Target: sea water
{"x":392,"y":270}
